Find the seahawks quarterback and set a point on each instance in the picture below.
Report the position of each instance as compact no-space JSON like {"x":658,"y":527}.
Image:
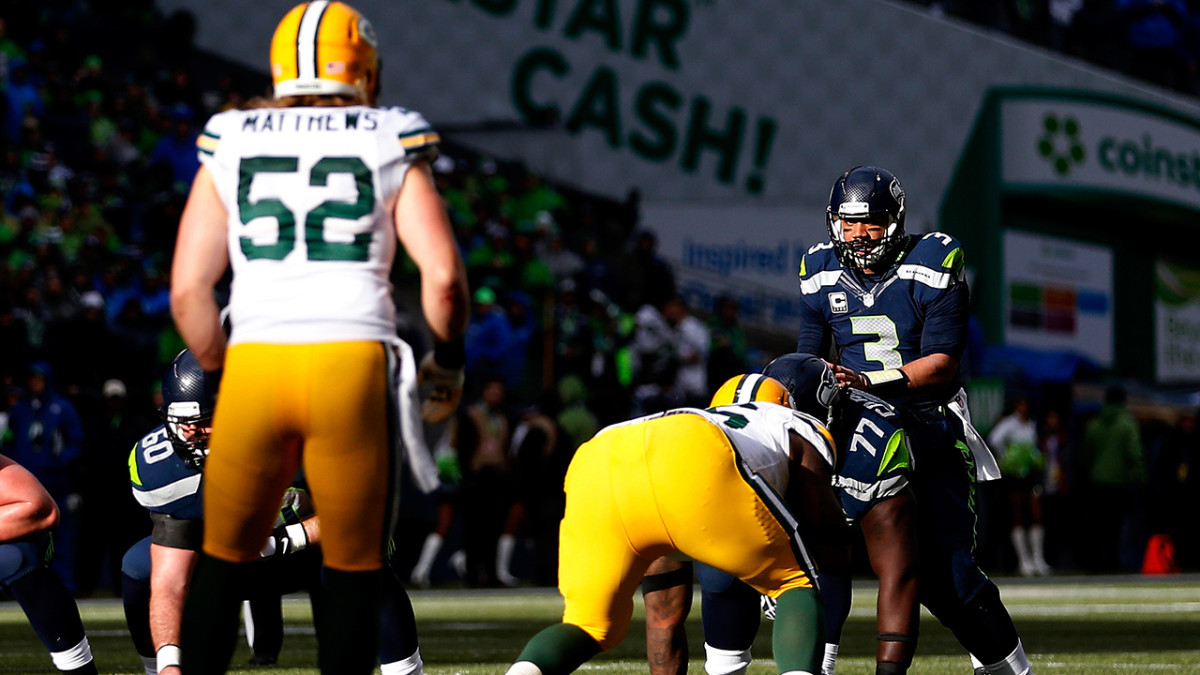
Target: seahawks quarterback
{"x":894,"y":308}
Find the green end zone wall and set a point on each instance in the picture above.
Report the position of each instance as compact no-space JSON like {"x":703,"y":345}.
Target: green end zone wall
{"x":1070,"y":205}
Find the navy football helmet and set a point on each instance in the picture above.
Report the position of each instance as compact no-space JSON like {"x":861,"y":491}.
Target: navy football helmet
{"x":810,"y":381}
{"x":866,"y":194}
{"x":189,"y":398}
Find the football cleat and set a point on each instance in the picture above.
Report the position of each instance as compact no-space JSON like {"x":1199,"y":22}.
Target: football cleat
{"x":751,"y":387}
{"x":325,"y":48}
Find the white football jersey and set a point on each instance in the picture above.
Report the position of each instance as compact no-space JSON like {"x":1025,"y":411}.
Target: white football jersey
{"x":310,"y":194}
{"x":759,"y":433}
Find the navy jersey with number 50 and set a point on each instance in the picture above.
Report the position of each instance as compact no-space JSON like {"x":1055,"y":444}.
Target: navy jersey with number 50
{"x":915,"y":308}
{"x":162,"y":482}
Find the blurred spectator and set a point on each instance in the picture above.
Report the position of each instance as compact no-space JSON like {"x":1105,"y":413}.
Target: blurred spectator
{"x":727,"y":353}
{"x":176,"y":151}
{"x":576,"y":419}
{"x":1173,"y":488}
{"x":48,"y":441}
{"x":1056,"y":453}
{"x":644,"y":277}
{"x":113,"y":520}
{"x":1015,"y":440}
{"x":72,"y":346}
{"x":486,"y":493}
{"x":562,"y":261}
{"x":538,"y":469}
{"x":1113,"y":469}
{"x":23,"y":100}
{"x":489,"y":337}
{"x":691,"y":340}
{"x":15,"y":350}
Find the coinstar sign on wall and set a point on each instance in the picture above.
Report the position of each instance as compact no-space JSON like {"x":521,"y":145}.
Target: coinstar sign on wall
{"x":1108,"y":146}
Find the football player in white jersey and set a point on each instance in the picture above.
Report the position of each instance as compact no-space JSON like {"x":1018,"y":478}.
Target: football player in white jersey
{"x":304,"y":196}
{"x":743,"y":488}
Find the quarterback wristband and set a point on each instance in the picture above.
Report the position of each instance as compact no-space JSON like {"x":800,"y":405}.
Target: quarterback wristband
{"x":450,"y":355}
{"x":297,"y":535}
{"x":887,"y":381}
{"x":167,"y":656}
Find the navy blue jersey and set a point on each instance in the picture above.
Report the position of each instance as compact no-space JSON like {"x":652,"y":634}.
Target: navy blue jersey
{"x":915,"y":308}
{"x":162,"y":481}
{"x":875,"y":460}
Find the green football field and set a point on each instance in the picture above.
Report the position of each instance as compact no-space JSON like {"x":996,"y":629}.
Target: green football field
{"x":1069,"y":625}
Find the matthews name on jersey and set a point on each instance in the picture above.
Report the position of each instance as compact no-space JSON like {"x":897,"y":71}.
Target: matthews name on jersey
{"x":875,"y":460}
{"x":310,"y":194}
{"x":916,"y":307}
{"x":162,"y":481}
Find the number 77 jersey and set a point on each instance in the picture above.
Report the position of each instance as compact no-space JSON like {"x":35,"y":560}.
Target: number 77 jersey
{"x":915,"y":308}
{"x":309,"y":194}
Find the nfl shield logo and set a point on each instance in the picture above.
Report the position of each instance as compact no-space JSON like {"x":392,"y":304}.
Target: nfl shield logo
{"x":837,"y":302}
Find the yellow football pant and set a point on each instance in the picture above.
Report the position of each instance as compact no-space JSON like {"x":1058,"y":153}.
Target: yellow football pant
{"x":667,"y":485}
{"x":326,"y":405}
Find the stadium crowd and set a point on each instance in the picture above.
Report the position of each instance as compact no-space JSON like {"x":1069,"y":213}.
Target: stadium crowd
{"x":575,"y":321}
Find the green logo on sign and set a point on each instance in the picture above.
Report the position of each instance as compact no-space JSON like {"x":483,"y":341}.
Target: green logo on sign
{"x":1060,"y":144}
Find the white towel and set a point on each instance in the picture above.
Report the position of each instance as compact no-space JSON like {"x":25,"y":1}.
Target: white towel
{"x":411,"y":428}
{"x":986,"y":468}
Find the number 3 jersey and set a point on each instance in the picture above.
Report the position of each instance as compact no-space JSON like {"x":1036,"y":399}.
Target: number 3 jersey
{"x":916,"y":308}
{"x":310,"y":194}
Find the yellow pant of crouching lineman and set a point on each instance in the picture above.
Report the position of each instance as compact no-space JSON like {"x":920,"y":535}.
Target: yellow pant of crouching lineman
{"x":653,"y":488}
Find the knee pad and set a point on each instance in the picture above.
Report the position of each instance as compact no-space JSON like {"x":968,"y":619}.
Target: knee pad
{"x":136,"y":563}
{"x":19,"y":558}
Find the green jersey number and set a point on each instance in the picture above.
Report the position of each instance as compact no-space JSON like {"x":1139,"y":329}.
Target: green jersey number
{"x":882,"y":349}
{"x":357,"y":250}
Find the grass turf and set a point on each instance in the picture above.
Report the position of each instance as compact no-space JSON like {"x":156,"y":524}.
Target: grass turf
{"x":1069,"y":625}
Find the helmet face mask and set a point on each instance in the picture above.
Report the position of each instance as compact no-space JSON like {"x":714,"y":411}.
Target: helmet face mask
{"x":189,"y":398}
{"x":326,"y":49}
{"x":871,"y":195}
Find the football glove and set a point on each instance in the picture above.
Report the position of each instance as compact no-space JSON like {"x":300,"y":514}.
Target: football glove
{"x":285,"y":540}
{"x":441,"y":389}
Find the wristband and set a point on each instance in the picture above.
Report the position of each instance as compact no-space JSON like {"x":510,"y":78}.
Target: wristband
{"x":297,"y":535}
{"x":450,"y":355}
{"x":167,"y":656}
{"x":891,"y":380}
{"x":890,"y":668}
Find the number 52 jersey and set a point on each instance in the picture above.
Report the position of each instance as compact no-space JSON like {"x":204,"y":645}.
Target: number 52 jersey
{"x":309,"y":194}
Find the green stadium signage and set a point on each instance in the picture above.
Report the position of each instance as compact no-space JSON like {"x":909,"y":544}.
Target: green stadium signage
{"x":654,"y":118}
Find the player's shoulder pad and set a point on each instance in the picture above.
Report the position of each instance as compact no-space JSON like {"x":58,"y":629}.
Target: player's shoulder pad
{"x":819,"y":257}
{"x":939,"y":252}
{"x":414,"y":133}
{"x":219,"y":126}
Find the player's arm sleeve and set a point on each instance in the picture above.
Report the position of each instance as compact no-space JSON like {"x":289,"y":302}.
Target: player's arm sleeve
{"x":946,"y":323}
{"x":176,"y":532}
{"x":812,"y":338}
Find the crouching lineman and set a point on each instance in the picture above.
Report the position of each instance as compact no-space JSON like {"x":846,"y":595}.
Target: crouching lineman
{"x":872,"y":485}
{"x":742,"y":488}
{"x":27,"y":514}
{"x":166,"y":474}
